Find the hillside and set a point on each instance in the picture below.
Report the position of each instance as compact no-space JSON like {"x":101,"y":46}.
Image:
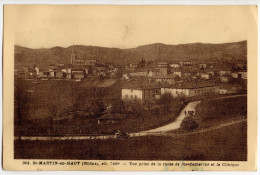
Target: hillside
{"x":151,"y":52}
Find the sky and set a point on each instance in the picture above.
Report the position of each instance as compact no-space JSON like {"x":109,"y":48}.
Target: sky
{"x":46,"y":26}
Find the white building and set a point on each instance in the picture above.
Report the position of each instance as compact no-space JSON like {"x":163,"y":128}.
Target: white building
{"x":175,"y":65}
{"x":141,"y":92}
{"x":243,"y":74}
{"x":190,"y":90}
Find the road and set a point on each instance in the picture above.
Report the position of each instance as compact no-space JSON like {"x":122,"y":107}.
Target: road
{"x":171,"y":126}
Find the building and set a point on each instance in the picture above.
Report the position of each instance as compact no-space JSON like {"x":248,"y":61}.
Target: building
{"x":60,"y":74}
{"x":132,"y":66}
{"x":185,"y":63}
{"x":175,"y":65}
{"x":74,"y":59}
{"x":224,"y":79}
{"x":202,"y":65}
{"x":138,"y":73}
{"x":234,"y":75}
{"x":205,"y":76}
{"x":227,"y":89}
{"x":153,"y":72}
{"x":243,"y":74}
{"x":162,"y":64}
{"x":167,"y":79}
{"x":176,"y":71}
{"x":78,"y":75}
{"x":224,"y":71}
{"x":133,"y":90}
{"x":190,"y":89}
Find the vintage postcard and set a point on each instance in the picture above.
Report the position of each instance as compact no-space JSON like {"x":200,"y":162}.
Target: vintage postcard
{"x":136,"y":88}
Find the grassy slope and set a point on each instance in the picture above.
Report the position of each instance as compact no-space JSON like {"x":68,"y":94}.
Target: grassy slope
{"x":213,"y":112}
{"x":226,"y":144}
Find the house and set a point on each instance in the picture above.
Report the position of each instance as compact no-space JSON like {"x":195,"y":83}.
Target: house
{"x":174,"y":65}
{"x":60,"y":74}
{"x":185,"y":63}
{"x":163,"y":70}
{"x":162,"y":64}
{"x":167,"y":79}
{"x":111,"y":118}
{"x":243,"y":74}
{"x":222,"y":91}
{"x":202,"y":65}
{"x":205,"y":76}
{"x":52,"y":67}
{"x":132,"y":66}
{"x":138,"y":73}
{"x":126,"y":76}
{"x":224,"y":79}
{"x":37,"y":70}
{"x":134,"y":90}
{"x":53,"y":73}
{"x":234,"y":75}
{"x":44,"y":74}
{"x":176,"y":71}
{"x":190,"y":89}
{"x":78,"y":75}
{"x":224,"y":71}
{"x":153,"y":72}
{"x":64,"y":70}
{"x":68,"y":76}
{"x":227,"y":89}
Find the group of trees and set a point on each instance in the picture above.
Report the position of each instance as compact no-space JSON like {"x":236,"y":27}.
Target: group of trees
{"x":164,"y":105}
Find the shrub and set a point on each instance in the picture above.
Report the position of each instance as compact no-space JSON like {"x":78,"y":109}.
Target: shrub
{"x":189,"y":124}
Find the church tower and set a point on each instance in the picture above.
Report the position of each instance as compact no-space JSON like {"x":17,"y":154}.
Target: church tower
{"x":73,"y":55}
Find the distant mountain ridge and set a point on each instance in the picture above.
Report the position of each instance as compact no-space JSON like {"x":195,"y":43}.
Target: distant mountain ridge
{"x":202,"y":52}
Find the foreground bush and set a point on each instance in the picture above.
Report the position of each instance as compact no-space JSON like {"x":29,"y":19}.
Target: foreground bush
{"x":189,"y":124}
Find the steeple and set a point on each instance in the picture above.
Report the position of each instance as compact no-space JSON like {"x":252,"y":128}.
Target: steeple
{"x":73,"y":55}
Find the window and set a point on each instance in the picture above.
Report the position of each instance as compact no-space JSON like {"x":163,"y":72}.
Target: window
{"x":126,"y":96}
{"x":132,"y":90}
{"x":131,"y":96}
{"x":176,"y":92}
{"x":135,"y":96}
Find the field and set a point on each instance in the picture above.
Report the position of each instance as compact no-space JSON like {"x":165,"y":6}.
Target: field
{"x":225,"y":144}
{"x":216,"y":111}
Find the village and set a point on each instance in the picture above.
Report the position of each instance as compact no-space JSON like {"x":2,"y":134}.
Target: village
{"x":142,"y":83}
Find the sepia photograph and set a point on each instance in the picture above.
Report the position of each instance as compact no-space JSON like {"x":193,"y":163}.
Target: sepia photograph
{"x":130,"y":83}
